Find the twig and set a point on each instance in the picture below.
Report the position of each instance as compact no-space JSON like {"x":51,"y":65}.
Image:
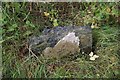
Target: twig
{"x":33,"y":54}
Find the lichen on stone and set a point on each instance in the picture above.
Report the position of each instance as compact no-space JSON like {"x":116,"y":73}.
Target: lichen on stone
{"x":66,"y":46}
{"x":70,"y":37}
{"x":50,"y":38}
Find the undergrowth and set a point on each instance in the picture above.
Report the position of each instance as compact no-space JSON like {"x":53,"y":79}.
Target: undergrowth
{"x":22,"y":20}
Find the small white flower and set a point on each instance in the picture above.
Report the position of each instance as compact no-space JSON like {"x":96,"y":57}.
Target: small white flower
{"x":92,"y":26}
{"x":91,"y":54}
{"x":83,"y":52}
{"x":93,"y":57}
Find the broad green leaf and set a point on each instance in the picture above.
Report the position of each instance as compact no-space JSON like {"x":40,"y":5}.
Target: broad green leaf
{"x":55,"y":23}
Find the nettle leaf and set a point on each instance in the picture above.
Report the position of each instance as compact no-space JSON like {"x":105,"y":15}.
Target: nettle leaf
{"x":55,"y":23}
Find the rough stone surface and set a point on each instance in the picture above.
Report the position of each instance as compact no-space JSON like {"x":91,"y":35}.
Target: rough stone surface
{"x":70,"y":37}
{"x":67,"y":46}
{"x":52,"y":42}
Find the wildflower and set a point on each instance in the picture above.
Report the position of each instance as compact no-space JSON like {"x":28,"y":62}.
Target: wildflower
{"x":46,"y":14}
{"x":108,"y":9}
{"x":93,"y":57}
{"x":94,"y":26}
{"x":91,"y":54}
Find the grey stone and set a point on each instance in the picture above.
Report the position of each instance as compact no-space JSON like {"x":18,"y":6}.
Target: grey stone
{"x":68,"y":45}
{"x":50,"y":37}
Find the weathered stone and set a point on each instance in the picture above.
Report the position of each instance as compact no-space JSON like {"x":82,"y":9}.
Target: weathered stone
{"x":51,"y":41}
{"x":68,"y":45}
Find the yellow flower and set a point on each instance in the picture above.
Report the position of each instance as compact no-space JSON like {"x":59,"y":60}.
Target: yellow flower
{"x":46,"y":14}
{"x":108,"y":9}
{"x":94,"y":26}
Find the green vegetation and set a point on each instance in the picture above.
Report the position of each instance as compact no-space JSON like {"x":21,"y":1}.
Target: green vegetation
{"x":23,"y":19}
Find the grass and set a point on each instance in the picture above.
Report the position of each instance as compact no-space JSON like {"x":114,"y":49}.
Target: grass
{"x":18,"y":26}
{"x":106,"y":66}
